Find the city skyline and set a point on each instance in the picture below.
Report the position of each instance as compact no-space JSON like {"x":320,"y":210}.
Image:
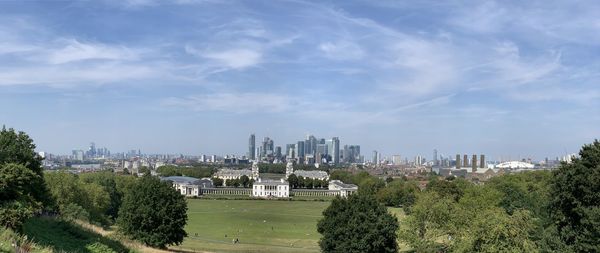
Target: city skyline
{"x":505,"y":79}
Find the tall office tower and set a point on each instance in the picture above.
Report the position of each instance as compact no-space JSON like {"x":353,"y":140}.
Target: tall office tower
{"x":458,"y":161}
{"x":397,"y":159}
{"x":482,"y":161}
{"x":300,"y":151}
{"x":435,"y":157}
{"x":346,"y":154}
{"x":92,"y":150}
{"x":267,"y":147}
{"x":278,"y":151}
{"x":252,"y":147}
{"x":321,"y":150}
{"x":375,"y":159}
{"x":287,"y":149}
{"x":474,"y":163}
{"x":329,"y":144}
{"x":336,"y":150}
{"x":465,"y":161}
{"x":418,"y":160}
{"x":307,"y":147}
{"x":291,"y":151}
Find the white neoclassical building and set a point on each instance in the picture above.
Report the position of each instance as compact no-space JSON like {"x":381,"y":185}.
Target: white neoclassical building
{"x":271,"y":189}
{"x":189,"y":186}
{"x":343,"y":189}
{"x":313,"y":174}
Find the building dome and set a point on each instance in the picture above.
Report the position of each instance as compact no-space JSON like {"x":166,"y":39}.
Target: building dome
{"x":515,"y":165}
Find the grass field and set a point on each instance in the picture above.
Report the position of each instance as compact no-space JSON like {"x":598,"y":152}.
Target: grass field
{"x":260,"y":226}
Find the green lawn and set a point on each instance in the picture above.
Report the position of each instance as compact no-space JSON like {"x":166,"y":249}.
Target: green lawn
{"x":260,"y":225}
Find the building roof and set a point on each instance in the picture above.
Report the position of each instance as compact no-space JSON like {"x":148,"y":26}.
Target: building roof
{"x":342,"y":185}
{"x":271,"y":182}
{"x":232,"y":172}
{"x":311,"y":173}
{"x":182,"y":180}
{"x":515,"y":165}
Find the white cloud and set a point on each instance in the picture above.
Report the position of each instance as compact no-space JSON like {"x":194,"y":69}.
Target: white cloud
{"x":77,"y":51}
{"x":235,"y":58}
{"x":233,"y":102}
{"x":75,"y":75}
{"x":341,"y":50}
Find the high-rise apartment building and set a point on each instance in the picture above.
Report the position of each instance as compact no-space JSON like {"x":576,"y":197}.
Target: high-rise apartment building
{"x":457,"y":164}
{"x":335,"y":154}
{"x":482,"y":161}
{"x":375,"y":159}
{"x":300,"y":149}
{"x":252,"y":147}
{"x":465,"y":161}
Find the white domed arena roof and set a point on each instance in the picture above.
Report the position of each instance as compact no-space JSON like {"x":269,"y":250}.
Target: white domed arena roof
{"x":515,"y":165}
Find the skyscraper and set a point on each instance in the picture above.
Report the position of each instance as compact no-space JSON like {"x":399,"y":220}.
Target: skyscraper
{"x":457,"y":161}
{"x":474,"y":163}
{"x":465,"y":161}
{"x":252,"y":147}
{"x":375,"y":157}
{"x":435,"y":157}
{"x":482,"y":161}
{"x":300,"y":151}
{"x":336,"y":150}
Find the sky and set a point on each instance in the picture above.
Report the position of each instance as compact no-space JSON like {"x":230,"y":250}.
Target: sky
{"x":509,"y":79}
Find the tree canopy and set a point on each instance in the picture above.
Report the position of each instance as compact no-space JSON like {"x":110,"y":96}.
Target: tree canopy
{"x":357,"y":224}
{"x":22,"y":188}
{"x":153,"y":213}
{"x":575,"y":200}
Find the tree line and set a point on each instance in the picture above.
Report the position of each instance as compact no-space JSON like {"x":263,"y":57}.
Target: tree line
{"x":538,"y":211}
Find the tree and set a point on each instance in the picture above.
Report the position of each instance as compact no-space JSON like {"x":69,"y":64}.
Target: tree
{"x":308,"y":183}
{"x":244,"y":180}
{"x":218,"y":182}
{"x":398,"y":193}
{"x":16,"y":202}
{"x":293,"y":180}
{"x":357,"y":224}
{"x":301,"y":182}
{"x":22,"y":188}
{"x":575,"y":200}
{"x":429,"y":221}
{"x":153,"y":213}
{"x":108,"y":182}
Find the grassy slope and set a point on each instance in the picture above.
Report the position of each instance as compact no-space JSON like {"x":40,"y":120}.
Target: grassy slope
{"x":63,"y":236}
{"x":261,"y":226}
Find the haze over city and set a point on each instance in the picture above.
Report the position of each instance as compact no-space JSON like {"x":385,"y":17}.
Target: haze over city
{"x":507,"y":78}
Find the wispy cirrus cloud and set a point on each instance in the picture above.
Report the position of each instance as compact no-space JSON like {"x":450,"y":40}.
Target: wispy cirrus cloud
{"x":232,"y":102}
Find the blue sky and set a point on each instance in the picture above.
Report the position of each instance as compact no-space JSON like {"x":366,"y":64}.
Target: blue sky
{"x":504,"y":78}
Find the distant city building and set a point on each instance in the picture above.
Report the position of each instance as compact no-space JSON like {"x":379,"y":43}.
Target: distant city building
{"x":335,"y":154}
{"x":375,"y":159}
{"x":396,"y":159}
{"x":252,"y":147}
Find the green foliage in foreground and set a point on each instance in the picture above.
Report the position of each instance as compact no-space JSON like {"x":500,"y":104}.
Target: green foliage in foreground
{"x":64,"y":236}
{"x":357,"y":224}
{"x":153,"y":213}
{"x":575,"y":201}
{"x":22,"y":189}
